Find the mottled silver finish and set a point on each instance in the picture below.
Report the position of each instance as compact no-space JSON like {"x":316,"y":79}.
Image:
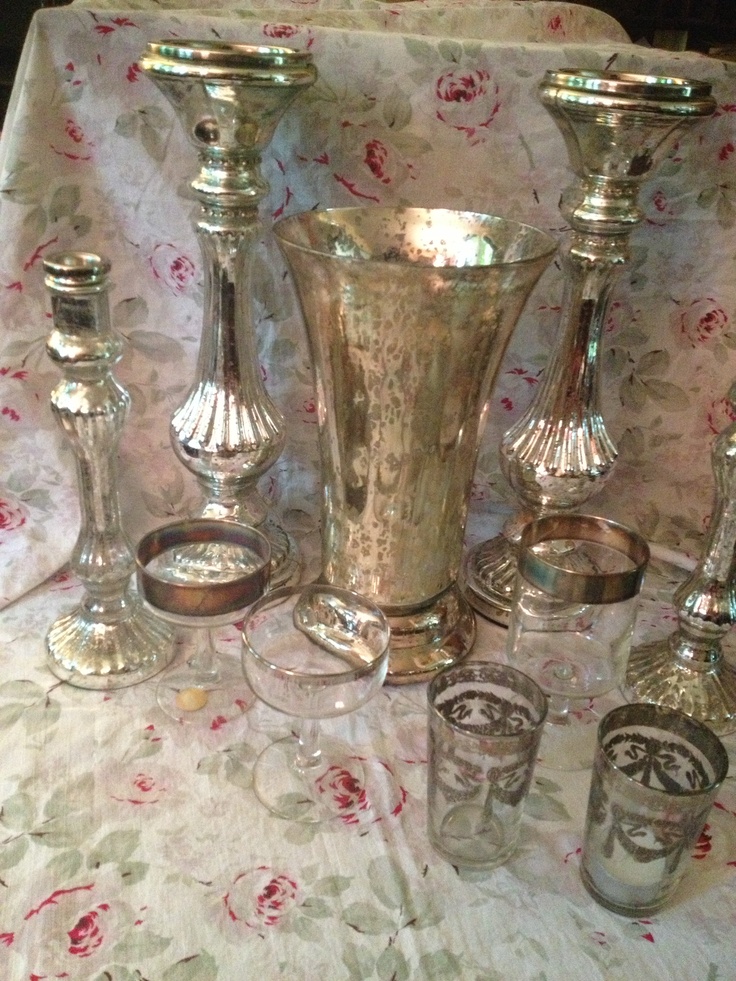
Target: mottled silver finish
{"x":228,"y":432}
{"x":408,"y":313}
{"x":109,"y":640}
{"x":617,"y":128}
{"x":687,"y":670}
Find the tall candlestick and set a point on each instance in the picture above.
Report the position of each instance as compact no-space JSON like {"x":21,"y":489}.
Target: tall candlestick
{"x":109,"y":640}
{"x":617,"y":127}
{"x":228,"y":432}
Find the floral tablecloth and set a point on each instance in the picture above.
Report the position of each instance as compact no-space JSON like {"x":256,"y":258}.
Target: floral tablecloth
{"x":134,"y":849}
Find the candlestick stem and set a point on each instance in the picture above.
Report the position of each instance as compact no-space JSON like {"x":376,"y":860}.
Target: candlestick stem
{"x":687,"y":670}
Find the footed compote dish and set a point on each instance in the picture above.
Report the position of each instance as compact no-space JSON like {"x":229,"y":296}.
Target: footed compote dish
{"x":202,"y":574}
{"x":573,"y":617}
{"x":313,"y":652}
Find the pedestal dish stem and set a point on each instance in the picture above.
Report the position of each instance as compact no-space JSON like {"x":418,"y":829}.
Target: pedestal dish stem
{"x":204,"y":659}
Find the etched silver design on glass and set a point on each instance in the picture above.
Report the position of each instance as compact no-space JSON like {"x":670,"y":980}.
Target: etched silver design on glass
{"x":408,"y":314}
{"x":617,"y":128}
{"x":485,"y":723}
{"x":687,"y":670}
{"x":109,"y":640}
{"x":228,"y":432}
{"x":655,"y":778}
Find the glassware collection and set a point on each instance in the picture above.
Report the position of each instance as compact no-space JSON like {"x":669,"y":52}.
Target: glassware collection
{"x":408,"y":312}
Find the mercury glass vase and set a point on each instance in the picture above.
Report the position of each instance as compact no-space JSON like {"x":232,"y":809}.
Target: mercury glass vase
{"x":617,"y":129}
{"x":228,"y":432}
{"x":109,"y":640}
{"x":687,"y":670}
{"x":408,"y":313}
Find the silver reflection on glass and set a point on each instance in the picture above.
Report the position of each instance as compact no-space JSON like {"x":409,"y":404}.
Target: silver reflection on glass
{"x":617,"y":128}
{"x":656,"y":775}
{"x":109,"y":640}
{"x":687,"y":670}
{"x":408,"y":313}
{"x":228,"y":432}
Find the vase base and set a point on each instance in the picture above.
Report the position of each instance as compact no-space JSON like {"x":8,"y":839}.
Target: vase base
{"x":488,"y":577}
{"x":706,"y":693}
{"x":100,"y":656}
{"x":430,"y":638}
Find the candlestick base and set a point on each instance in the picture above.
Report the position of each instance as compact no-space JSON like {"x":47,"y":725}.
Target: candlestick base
{"x":704,"y":690}
{"x":488,"y":578}
{"x":90,"y":651}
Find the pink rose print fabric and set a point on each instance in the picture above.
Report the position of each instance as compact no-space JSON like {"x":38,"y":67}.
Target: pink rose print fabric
{"x":136,"y":849}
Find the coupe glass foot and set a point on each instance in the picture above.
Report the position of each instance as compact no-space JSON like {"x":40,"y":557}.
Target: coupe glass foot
{"x":310,"y":795}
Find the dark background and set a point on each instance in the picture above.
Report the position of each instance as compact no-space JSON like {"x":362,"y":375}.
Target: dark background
{"x":708,"y":23}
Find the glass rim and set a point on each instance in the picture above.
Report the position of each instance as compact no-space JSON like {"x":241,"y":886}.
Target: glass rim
{"x":336,"y":677}
{"x":584,"y":587}
{"x":181,"y":598}
{"x":493,"y":667}
{"x":659,"y":715}
{"x":547,"y":243}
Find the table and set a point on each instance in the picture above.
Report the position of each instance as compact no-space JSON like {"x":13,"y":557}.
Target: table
{"x":131,"y":848}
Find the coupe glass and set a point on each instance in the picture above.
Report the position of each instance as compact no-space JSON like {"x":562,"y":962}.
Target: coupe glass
{"x":313,"y":652}
{"x":203,"y":574}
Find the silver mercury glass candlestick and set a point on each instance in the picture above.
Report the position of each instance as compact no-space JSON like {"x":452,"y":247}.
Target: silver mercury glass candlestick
{"x":617,"y":128}
{"x":109,"y":640}
{"x":687,"y":670}
{"x":228,"y":432}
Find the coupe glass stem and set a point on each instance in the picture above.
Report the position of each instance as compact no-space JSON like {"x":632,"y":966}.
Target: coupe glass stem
{"x":204,"y":659}
{"x":308,"y":753}
{"x":558,"y":713}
